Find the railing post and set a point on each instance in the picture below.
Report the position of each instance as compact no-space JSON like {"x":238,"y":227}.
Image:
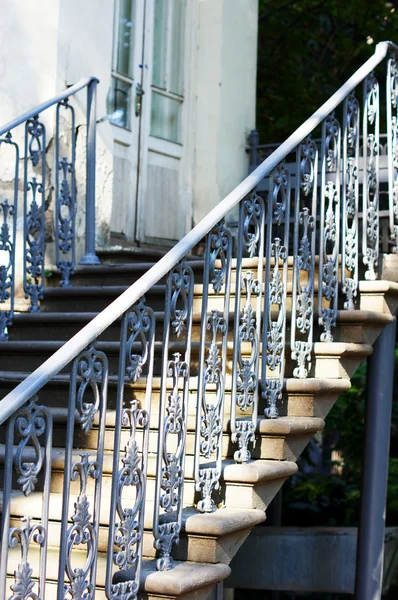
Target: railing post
{"x":370,"y":549}
{"x":90,"y":258}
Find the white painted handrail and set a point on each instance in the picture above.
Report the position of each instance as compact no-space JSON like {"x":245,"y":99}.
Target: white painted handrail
{"x":34,"y":382}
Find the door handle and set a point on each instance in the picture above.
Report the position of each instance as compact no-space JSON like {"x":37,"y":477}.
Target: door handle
{"x":139,"y":92}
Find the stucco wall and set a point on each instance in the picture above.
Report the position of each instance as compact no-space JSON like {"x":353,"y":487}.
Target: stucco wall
{"x":48,"y":44}
{"x":225,"y":97}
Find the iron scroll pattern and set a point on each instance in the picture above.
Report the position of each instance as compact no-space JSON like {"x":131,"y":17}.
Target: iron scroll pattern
{"x":34,"y":211}
{"x":371,"y":149}
{"x":274,"y":326}
{"x":65,"y":194}
{"x":173,"y":413}
{"x":28,"y":452}
{"x":392,"y":141}
{"x":79,"y":531}
{"x":304,"y":257}
{"x":329,"y":243}
{"x":350,"y":201}
{"x":8,"y":229}
{"x":126,"y":523}
{"x":212,"y":366}
{"x":247,"y":326}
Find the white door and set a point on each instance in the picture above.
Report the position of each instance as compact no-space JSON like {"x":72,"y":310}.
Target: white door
{"x":163,"y":203}
{"x":125,"y":112}
{"x":147,"y":110}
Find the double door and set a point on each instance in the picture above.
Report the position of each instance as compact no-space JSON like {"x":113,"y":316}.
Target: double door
{"x":148,"y":109}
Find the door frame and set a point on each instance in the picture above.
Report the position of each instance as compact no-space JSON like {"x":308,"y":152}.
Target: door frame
{"x":183,"y":151}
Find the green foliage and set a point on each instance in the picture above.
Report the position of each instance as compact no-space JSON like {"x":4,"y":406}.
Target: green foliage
{"x":307,"y":49}
{"x":324,"y":495}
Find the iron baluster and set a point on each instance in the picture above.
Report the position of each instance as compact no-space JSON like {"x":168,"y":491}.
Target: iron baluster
{"x":247,"y":326}
{"x":173,"y":413}
{"x":212,"y":367}
{"x":28,"y":454}
{"x":371,"y":150}
{"x":90,"y":257}
{"x":304,"y":257}
{"x":126,"y":522}
{"x":65,"y":196}
{"x":89,"y":371}
{"x":34,"y":211}
{"x":275,"y":298}
{"x":329,"y":227}
{"x":392,"y":146}
{"x":350,"y":201}
{"x":8,"y":232}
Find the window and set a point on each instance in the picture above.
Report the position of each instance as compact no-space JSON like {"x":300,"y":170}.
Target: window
{"x":119,"y":96}
{"x":168,"y":69}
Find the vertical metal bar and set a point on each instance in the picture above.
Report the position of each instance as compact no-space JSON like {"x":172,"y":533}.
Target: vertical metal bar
{"x":172,"y":428}
{"x":275,"y":295}
{"x":34,"y":239}
{"x":392,"y":147}
{"x":329,"y":227}
{"x":90,"y":258}
{"x":253,"y":141}
{"x":304,"y":257}
{"x":91,"y":367}
{"x":371,"y":150}
{"x":212,"y":368}
{"x":7,"y":245}
{"x":350,"y":200}
{"x":369,"y":569}
{"x":128,"y":494}
{"x":247,"y":326}
{"x":28,"y":452}
{"x":65,"y":198}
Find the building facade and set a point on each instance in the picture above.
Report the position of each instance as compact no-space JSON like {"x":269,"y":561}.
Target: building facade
{"x":175,"y":102}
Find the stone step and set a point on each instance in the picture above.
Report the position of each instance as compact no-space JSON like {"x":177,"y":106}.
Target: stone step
{"x":352,"y":326}
{"x":186,"y":580}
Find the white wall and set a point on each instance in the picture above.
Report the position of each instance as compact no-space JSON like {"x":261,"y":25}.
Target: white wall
{"x":48,"y":44}
{"x":225,"y":97}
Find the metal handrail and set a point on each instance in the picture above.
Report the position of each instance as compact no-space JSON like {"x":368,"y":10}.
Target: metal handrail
{"x":43,"y":374}
{"x":70,"y":91}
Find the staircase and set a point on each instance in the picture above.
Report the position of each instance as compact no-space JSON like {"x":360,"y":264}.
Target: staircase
{"x":152,"y":409}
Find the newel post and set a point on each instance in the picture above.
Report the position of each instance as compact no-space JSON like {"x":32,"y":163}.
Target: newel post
{"x":90,"y":258}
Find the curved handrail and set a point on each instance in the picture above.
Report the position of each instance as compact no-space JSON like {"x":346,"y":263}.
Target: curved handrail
{"x":70,"y":91}
{"x":36,"y":380}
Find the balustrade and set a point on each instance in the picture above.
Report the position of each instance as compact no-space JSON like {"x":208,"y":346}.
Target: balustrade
{"x":268,"y":291}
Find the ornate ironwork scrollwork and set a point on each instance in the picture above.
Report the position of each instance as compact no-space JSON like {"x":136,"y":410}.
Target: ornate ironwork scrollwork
{"x":28,"y":456}
{"x":82,"y":532}
{"x":65,"y":194}
{"x":212,"y":367}
{"x":34,"y":209}
{"x":173,"y":415}
{"x":89,"y":372}
{"x":304,"y":254}
{"x":330,"y":227}
{"x":8,"y":212}
{"x":126,"y":523}
{"x":24,"y":584}
{"x":392,"y":142}
{"x":350,"y":199}
{"x":371,"y":181}
{"x":274,"y":327}
{"x":247,"y":326}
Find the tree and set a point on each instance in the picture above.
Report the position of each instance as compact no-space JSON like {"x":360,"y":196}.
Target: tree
{"x":307,"y":49}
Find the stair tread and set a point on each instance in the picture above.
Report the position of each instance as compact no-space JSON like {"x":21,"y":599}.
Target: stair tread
{"x":258,"y":470}
{"x":221,"y":522}
{"x":184,"y":577}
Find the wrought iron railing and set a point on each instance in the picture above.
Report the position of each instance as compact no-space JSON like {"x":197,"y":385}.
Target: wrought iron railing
{"x":225,"y":351}
{"x":35,"y":191}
